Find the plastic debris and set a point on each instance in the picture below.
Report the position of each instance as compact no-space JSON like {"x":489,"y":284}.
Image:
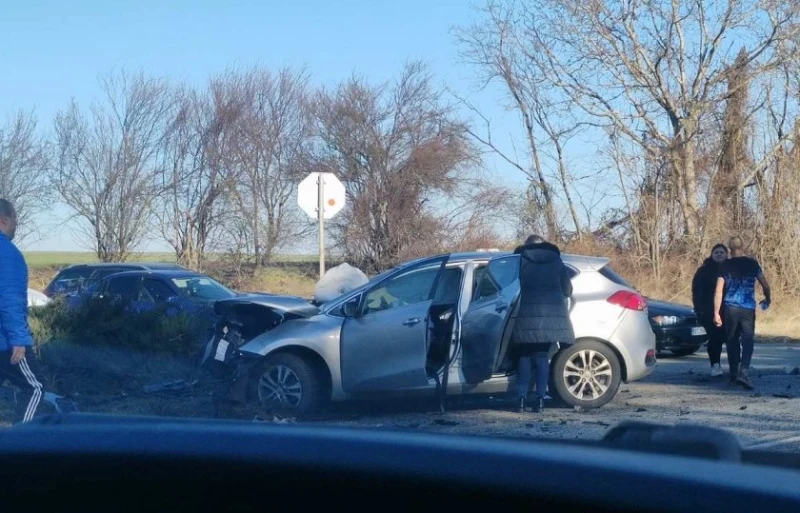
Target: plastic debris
{"x":164,"y":386}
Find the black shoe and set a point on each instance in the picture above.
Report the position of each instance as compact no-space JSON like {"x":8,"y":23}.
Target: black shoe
{"x":538,"y":406}
{"x":744,"y":379}
{"x":522,"y":405}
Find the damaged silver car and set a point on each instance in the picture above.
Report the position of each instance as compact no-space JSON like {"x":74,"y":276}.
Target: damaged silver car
{"x":434,"y":325}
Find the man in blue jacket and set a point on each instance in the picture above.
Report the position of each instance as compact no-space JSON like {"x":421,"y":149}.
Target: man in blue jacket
{"x":15,"y":336}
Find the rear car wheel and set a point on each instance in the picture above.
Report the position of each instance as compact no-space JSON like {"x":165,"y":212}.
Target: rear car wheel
{"x":685,"y":351}
{"x":288,"y":384}
{"x":587,"y":374}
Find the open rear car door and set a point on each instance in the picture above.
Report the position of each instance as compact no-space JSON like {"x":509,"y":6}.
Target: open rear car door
{"x":485,"y":326}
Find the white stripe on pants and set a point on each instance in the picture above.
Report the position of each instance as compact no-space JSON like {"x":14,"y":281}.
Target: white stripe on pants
{"x":36,"y":396}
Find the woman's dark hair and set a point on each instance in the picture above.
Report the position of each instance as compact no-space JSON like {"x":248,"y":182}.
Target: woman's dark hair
{"x":534,"y":239}
{"x":717,"y":246}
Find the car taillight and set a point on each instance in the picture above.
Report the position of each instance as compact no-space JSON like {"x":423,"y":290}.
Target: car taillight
{"x":629,"y":300}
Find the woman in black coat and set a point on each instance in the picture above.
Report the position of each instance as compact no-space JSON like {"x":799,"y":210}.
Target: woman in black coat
{"x":704,"y":285}
{"x":543,"y":315}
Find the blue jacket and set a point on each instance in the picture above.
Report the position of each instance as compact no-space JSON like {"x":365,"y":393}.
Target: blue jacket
{"x":13,"y":297}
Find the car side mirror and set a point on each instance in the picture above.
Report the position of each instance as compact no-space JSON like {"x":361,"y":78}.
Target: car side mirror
{"x":350,"y":309}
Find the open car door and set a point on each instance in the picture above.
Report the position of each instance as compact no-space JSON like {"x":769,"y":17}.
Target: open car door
{"x":485,"y":325}
{"x":384,"y":346}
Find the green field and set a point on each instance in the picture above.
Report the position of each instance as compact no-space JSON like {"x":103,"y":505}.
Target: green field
{"x":63,"y":258}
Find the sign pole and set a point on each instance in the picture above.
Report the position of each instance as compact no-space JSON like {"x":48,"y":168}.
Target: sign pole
{"x":321,"y":217}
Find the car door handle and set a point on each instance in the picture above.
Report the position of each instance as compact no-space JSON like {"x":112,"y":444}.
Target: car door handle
{"x":412,"y":321}
{"x":501,"y":308}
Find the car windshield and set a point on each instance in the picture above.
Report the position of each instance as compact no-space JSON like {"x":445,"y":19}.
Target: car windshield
{"x":202,"y":288}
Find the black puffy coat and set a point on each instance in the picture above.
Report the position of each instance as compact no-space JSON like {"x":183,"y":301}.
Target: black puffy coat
{"x":543,"y":314}
{"x":704,"y":285}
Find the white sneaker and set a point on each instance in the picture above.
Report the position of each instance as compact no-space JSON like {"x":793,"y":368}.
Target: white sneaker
{"x":716,"y":370}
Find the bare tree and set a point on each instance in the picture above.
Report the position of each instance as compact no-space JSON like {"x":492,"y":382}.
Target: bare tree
{"x":270,"y":154}
{"x":653,"y":69}
{"x":195,"y":175}
{"x":490,"y":46}
{"x":107,"y":163}
{"x":23,"y":169}
{"x":397,"y":147}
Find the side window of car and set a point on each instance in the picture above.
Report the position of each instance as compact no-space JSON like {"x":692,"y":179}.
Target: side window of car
{"x":496,"y":276}
{"x":483,"y":284}
{"x":504,"y":270}
{"x":124,"y":287}
{"x":408,"y":288}
{"x":155,"y":290}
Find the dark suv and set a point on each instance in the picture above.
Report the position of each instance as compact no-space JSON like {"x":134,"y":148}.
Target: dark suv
{"x":74,"y":278}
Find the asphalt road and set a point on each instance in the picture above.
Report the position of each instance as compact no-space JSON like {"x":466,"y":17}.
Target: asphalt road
{"x":679,"y":390}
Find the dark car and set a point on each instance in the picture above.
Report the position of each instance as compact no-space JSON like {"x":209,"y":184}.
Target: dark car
{"x":676,"y":326}
{"x":145,"y":290}
{"x":74,"y":278}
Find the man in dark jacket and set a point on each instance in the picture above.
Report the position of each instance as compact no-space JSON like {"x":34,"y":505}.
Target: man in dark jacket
{"x":15,"y":337}
{"x":543,"y":315}
{"x":704,"y":284}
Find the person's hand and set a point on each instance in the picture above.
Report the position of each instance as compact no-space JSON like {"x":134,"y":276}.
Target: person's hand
{"x":717,"y":319}
{"x":17,"y":354}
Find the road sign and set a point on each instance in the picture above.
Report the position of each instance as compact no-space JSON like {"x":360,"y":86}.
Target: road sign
{"x":333,"y":194}
{"x":321,"y":196}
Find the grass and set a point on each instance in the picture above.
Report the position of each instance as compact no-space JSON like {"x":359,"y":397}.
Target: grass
{"x":64,"y":258}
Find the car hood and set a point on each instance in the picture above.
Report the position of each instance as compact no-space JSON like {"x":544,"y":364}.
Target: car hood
{"x":656,"y":307}
{"x":277,"y":303}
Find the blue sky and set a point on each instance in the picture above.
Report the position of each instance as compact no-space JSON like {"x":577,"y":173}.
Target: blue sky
{"x":52,"y":51}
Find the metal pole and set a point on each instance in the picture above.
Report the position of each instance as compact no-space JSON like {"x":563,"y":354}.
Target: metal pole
{"x":321,"y":217}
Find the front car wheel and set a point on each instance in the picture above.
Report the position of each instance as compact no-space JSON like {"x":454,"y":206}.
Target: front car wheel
{"x":288,"y":384}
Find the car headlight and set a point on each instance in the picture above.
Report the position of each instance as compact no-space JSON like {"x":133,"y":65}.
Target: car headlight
{"x":666,"y":320}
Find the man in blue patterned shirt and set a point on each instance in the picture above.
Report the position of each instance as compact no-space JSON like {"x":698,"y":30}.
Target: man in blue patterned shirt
{"x":735,"y":308}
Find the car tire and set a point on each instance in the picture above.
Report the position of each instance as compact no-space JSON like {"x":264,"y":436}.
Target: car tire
{"x":685,"y":351}
{"x":599,"y":387}
{"x":288,"y":385}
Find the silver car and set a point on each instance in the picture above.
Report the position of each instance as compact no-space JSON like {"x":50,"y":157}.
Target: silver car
{"x":434,"y":325}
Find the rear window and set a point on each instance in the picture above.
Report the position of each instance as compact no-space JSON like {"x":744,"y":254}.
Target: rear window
{"x":609,"y":273}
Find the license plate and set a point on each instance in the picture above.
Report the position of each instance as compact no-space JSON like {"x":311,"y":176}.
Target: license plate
{"x":698,"y":331}
{"x":222,"y":348}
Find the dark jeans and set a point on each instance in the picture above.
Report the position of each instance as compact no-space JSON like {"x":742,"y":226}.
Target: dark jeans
{"x":538,"y":355}
{"x":716,"y":338}
{"x":740,"y":327}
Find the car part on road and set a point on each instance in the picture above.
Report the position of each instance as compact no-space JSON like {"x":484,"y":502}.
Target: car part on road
{"x":587,"y":374}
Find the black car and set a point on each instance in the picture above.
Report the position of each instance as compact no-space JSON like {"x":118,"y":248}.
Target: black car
{"x":74,"y":278}
{"x":184,"y":290}
{"x":676,"y":326}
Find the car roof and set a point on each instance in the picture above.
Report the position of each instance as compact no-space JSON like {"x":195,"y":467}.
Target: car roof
{"x":580,"y":262}
{"x":171,"y":273}
{"x":130,"y":265}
